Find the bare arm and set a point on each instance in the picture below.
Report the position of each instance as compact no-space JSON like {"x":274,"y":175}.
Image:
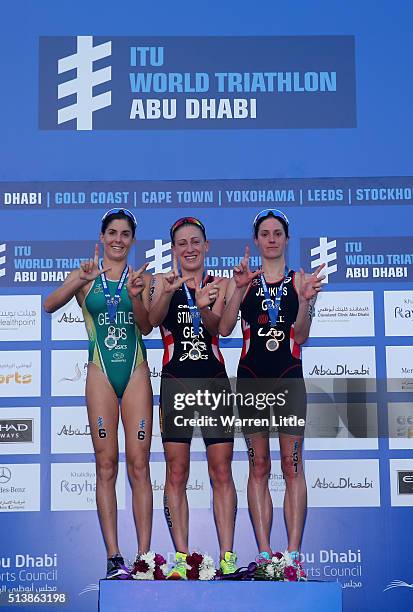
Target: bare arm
{"x":233,"y":298}
{"x":308,"y":287}
{"x":235,"y":292}
{"x":74,"y":284}
{"x":159,"y":301}
{"x":138,"y":291}
{"x":213,"y":292}
{"x":162,"y":291}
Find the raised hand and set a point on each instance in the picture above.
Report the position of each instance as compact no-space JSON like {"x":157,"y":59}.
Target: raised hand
{"x":171,"y":280}
{"x":136,"y":282}
{"x":204,"y":296}
{"x":89,"y":270}
{"x":242,"y":274}
{"x":309,"y":284}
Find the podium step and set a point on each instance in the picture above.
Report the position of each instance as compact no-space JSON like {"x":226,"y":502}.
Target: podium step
{"x":217,"y":596}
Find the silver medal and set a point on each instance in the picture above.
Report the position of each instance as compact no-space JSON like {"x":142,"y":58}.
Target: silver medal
{"x":111,"y":340}
{"x":272,"y":344}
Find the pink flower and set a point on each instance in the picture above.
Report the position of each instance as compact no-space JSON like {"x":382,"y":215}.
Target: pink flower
{"x":290,"y":573}
{"x":278,"y":555}
{"x":159,"y":560}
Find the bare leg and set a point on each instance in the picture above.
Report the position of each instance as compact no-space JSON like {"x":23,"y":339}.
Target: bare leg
{"x":103,"y":412}
{"x":136,"y":411}
{"x":295,"y":500}
{"x":259,"y":498}
{"x":225,"y":497}
{"x":175,"y":499}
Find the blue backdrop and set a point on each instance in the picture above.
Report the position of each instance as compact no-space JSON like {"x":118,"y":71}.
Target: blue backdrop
{"x":306,"y":108}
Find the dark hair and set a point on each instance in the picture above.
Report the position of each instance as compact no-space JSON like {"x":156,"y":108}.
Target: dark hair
{"x":270,"y":215}
{"x":187,"y":221}
{"x":118,"y":215}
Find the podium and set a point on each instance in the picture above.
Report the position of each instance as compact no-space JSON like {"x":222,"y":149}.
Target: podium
{"x":218,"y":595}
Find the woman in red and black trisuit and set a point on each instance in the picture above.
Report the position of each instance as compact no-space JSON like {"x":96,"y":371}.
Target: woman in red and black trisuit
{"x":276,"y":306}
{"x":187,"y":309}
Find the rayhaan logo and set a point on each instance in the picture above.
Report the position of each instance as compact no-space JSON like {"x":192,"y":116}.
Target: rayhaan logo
{"x":405,"y":482}
{"x":77,"y":374}
{"x":5,"y":474}
{"x":323,"y":256}
{"x":16,"y":430}
{"x":2,"y":260}
{"x":84,"y":82}
{"x":159,"y":257}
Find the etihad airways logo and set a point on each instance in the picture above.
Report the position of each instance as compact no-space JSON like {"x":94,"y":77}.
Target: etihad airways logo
{"x":16,"y":430}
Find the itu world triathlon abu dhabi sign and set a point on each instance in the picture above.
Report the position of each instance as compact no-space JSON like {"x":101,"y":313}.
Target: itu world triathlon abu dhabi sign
{"x":141,"y":83}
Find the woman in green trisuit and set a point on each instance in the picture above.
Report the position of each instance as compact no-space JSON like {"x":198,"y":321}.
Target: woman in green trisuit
{"x":115,"y":300}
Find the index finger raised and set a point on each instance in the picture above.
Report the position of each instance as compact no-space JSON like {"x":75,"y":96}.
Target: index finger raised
{"x":96,"y":257}
{"x":175,"y":265}
{"x":142,"y":268}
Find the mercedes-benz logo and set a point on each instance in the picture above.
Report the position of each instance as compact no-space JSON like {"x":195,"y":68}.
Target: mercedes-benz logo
{"x":5,"y":474}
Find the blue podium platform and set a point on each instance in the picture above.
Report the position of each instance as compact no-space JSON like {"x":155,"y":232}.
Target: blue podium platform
{"x":174,"y":596}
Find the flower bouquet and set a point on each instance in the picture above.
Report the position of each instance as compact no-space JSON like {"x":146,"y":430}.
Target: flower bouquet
{"x":149,"y":566}
{"x":200,"y":567}
{"x":280,"y":567}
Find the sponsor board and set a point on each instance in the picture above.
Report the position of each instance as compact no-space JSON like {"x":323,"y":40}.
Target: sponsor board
{"x":156,"y":439}
{"x":341,"y":426}
{"x":198,"y":488}
{"x":70,"y":431}
{"x":19,"y":487}
{"x":231,"y":357}
{"x":340,"y":369}
{"x":398,"y":313}
{"x":401,"y":482}
{"x":276,"y":483}
{"x":73,"y":486}
{"x":19,"y":431}
{"x":20,"y":318}
{"x":68,"y":322}
{"x":343,"y":483}
{"x":400,"y":420}
{"x":20,"y":373}
{"x":399,"y":368}
{"x":155,"y":368}
{"x":343,"y":314}
{"x":68,"y":373}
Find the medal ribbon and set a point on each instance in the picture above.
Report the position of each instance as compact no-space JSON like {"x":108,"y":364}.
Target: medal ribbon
{"x":193,"y":310}
{"x":273,"y":306}
{"x":112,"y":303}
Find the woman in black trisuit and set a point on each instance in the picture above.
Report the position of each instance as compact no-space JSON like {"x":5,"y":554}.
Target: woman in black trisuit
{"x":276,"y":306}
